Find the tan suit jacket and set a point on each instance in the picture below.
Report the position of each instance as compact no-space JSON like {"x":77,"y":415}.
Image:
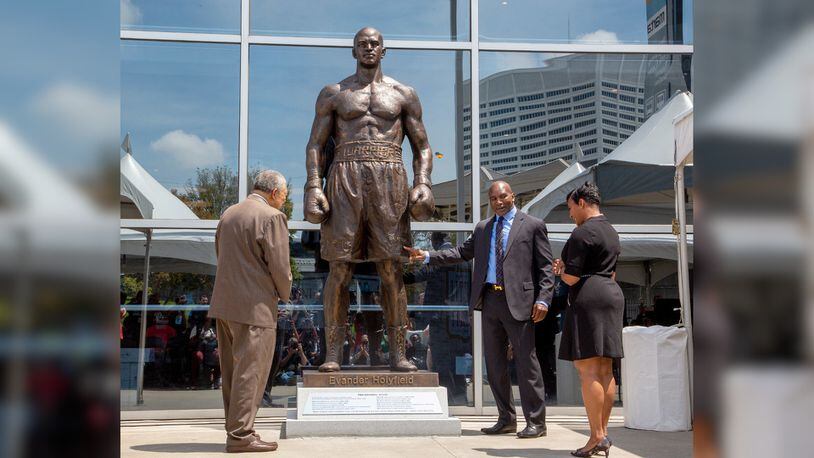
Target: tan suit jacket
{"x":254,"y":272}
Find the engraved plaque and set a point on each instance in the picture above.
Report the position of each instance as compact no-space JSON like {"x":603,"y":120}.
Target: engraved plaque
{"x":345,"y":403}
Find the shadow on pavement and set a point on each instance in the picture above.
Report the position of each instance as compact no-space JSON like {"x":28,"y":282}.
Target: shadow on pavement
{"x":181,"y":448}
{"x":523,"y":452}
{"x":645,"y":443}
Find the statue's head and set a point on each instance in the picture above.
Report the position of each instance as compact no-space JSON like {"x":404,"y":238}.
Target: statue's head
{"x":368,"y":47}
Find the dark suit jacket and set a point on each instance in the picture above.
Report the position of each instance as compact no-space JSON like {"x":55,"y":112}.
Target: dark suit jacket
{"x":528,"y":276}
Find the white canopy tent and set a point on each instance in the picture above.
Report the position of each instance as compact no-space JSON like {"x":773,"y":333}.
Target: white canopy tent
{"x":636,"y":179}
{"x":143,"y":197}
{"x":683,"y":130}
{"x":555,"y":193}
{"x":34,"y":199}
{"x":171,"y":250}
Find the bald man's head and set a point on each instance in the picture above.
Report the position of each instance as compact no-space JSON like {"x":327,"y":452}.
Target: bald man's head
{"x":501,"y":197}
{"x":368,"y":47}
{"x":368,"y":31}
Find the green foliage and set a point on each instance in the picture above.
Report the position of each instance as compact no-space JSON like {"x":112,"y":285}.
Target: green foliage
{"x":213,"y":191}
{"x":132,"y":285}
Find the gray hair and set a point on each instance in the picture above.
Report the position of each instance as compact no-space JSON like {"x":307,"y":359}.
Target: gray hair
{"x":269,"y":180}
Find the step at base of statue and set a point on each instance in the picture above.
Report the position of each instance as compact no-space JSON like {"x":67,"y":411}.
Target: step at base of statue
{"x":370,"y":411}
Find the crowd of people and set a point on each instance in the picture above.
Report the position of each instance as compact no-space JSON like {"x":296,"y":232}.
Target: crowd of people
{"x":182,"y":344}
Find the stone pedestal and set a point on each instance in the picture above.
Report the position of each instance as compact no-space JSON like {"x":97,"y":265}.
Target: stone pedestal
{"x":370,"y":403}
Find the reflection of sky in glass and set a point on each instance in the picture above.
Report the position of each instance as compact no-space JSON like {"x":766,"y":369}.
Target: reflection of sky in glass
{"x":574,"y":21}
{"x":396,"y":19}
{"x":180,"y":102}
{"x":556,"y":105}
{"x":213,"y":16}
{"x":285,"y":82}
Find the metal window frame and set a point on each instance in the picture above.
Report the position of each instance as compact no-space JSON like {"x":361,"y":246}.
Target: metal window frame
{"x":245,"y":39}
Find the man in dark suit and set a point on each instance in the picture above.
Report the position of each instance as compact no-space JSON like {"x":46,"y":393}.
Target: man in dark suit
{"x":512,"y":284}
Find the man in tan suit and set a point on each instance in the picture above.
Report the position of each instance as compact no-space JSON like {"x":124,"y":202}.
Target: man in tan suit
{"x":253,"y":275}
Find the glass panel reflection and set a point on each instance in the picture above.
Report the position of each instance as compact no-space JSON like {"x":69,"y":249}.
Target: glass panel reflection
{"x":180,"y":369}
{"x":587,"y":21}
{"x":285,"y":82}
{"x":198,"y":16}
{"x":180,"y":105}
{"x":415,"y":20}
{"x":541,"y":113}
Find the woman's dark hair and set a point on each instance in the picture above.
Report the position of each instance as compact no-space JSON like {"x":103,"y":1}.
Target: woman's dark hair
{"x":589,"y":192}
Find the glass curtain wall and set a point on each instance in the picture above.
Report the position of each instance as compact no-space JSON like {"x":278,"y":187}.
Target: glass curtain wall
{"x":214,"y":91}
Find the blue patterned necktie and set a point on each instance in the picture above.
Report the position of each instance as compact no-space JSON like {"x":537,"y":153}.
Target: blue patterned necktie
{"x":499,"y":252}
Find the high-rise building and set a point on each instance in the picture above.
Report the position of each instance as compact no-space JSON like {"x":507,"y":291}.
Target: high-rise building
{"x":533,"y":116}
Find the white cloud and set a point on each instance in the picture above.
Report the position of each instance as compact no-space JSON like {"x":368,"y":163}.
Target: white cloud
{"x":130,"y":13}
{"x":189,"y":149}
{"x":599,"y":36}
{"x":81,"y":111}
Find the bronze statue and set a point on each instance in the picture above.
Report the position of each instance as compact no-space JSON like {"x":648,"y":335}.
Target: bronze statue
{"x":365,"y":202}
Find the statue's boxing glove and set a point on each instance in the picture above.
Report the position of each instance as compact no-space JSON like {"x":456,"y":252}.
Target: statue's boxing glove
{"x":316,"y":205}
{"x":422,"y":203}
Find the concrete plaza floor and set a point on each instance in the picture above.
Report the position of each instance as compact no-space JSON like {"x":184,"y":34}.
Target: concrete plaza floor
{"x":566,"y":431}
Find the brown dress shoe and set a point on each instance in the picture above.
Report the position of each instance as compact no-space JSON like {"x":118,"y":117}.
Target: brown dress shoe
{"x":256,"y":445}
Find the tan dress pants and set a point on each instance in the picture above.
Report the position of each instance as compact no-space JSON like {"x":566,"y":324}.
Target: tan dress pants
{"x":246,"y":354}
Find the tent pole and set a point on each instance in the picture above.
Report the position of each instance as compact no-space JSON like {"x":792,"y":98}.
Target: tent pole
{"x":143,"y":331}
{"x":683,"y":269}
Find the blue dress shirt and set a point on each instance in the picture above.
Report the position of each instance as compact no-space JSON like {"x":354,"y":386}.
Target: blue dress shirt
{"x":508,"y":219}
{"x":491,"y":270}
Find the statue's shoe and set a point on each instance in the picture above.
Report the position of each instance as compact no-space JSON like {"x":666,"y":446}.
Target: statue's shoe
{"x":402,"y":366}
{"x":329,"y":366}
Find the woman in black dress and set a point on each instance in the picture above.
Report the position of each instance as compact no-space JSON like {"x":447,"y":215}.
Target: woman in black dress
{"x":592,"y":332}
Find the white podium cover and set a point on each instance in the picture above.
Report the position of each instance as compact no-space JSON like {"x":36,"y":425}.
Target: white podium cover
{"x":655,"y":379}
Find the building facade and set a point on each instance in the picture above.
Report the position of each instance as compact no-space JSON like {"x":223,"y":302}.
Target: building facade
{"x":213,"y":91}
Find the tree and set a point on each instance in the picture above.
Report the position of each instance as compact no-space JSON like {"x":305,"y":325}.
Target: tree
{"x":214,"y":190}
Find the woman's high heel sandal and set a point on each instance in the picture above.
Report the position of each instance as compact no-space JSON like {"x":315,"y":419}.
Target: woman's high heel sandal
{"x":584,"y":452}
{"x":603,"y":446}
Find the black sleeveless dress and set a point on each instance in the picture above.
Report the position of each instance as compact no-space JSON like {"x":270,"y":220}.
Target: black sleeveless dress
{"x":593,"y":319}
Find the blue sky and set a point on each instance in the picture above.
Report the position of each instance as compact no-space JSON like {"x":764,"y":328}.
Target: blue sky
{"x":175,"y":97}
{"x":559,"y":21}
{"x":59,"y":85}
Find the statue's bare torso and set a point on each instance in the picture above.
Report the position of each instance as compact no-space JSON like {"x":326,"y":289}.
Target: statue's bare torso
{"x":368,"y":111}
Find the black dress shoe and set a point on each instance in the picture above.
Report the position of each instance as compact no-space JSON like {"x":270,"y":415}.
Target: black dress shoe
{"x":532,"y":431}
{"x":500,"y":428}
